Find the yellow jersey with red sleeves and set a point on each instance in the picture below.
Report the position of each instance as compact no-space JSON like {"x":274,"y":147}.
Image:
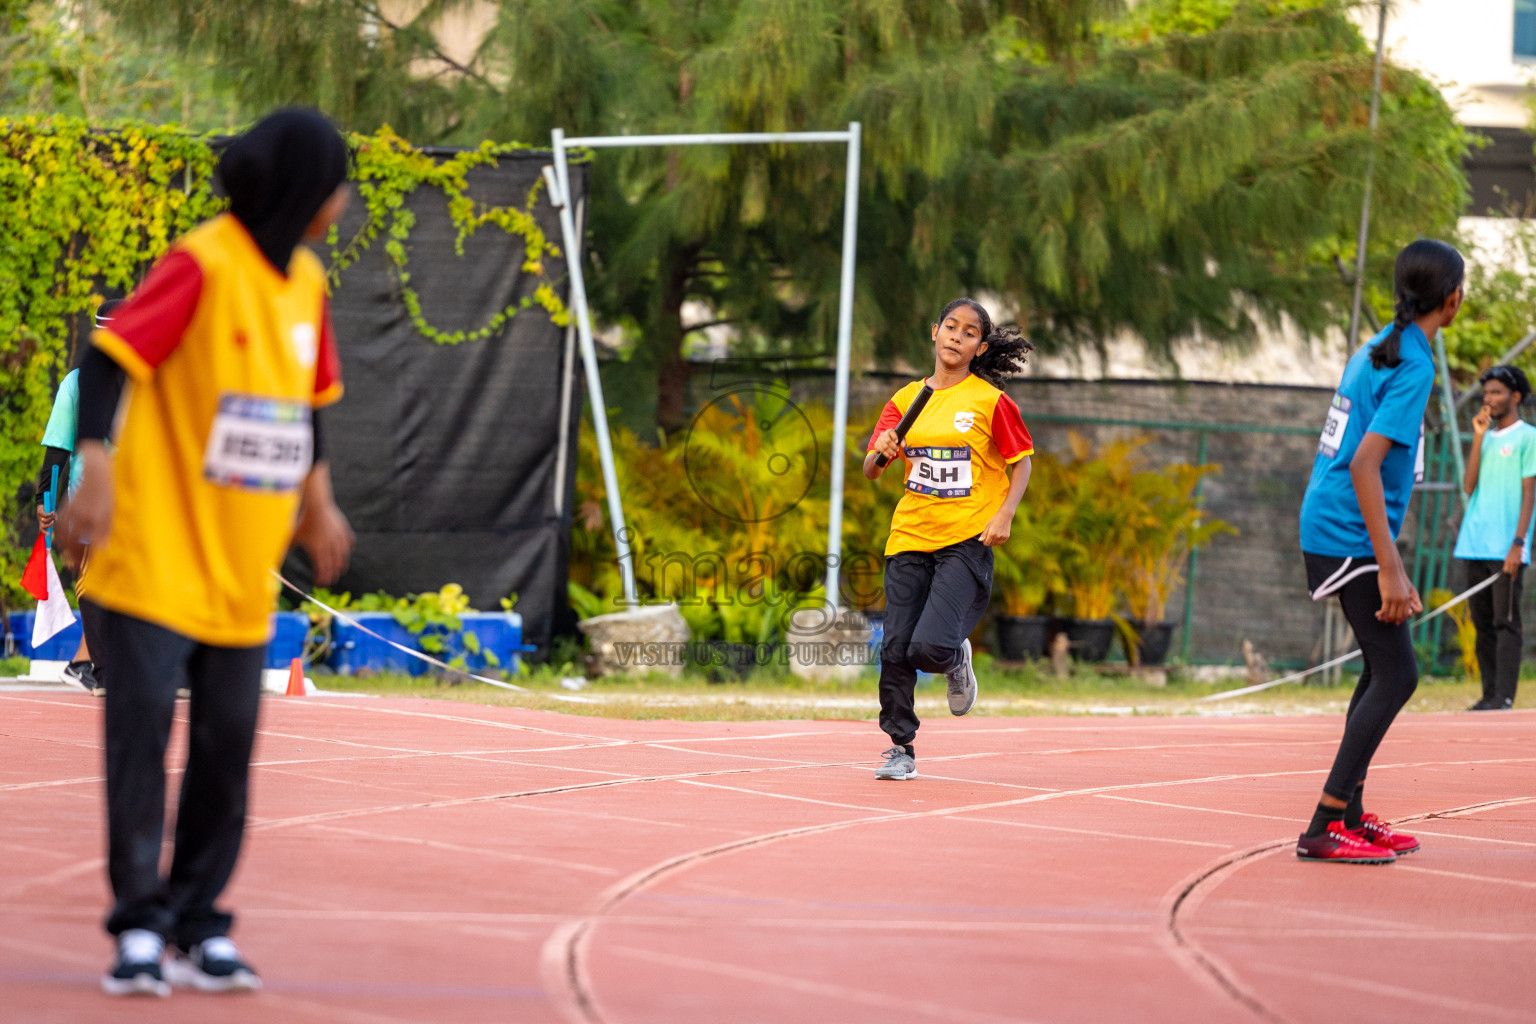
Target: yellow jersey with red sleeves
{"x":956,"y":456}
{"x":226,"y":358}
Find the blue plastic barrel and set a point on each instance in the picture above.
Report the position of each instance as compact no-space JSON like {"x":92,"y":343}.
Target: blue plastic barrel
{"x":59,"y":647}
{"x":354,"y":650}
{"x":288,"y":632}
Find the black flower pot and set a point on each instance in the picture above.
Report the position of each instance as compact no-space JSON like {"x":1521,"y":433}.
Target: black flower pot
{"x":1090,"y":638}
{"x":1022,"y":636}
{"x":732,"y":662}
{"x":1152,"y":642}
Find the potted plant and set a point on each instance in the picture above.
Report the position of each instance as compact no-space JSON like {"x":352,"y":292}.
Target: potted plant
{"x":1027,"y":568}
{"x":1098,"y":501}
{"x":1165,"y":527}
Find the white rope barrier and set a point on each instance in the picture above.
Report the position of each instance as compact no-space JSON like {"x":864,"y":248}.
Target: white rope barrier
{"x":425,"y":657}
{"x":1341,"y":659}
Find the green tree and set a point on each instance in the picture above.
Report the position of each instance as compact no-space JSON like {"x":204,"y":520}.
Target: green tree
{"x":70,"y":57}
{"x":1189,"y":165}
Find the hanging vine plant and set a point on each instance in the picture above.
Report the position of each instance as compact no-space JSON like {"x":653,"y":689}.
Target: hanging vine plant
{"x":388,"y":169}
{"x":87,"y":210}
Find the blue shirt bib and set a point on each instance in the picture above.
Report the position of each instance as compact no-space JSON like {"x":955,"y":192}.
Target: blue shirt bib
{"x":1389,"y":402}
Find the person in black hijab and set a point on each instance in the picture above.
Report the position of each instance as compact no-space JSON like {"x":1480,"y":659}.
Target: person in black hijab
{"x":279,"y":174}
{"x":213,"y":477}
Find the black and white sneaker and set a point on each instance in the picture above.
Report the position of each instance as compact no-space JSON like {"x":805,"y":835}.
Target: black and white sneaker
{"x":213,"y":965}
{"x":137,"y":971}
{"x":83,"y":675}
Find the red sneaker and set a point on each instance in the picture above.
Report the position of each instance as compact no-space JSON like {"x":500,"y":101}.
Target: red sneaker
{"x":1342,"y":845}
{"x":1374,"y":830}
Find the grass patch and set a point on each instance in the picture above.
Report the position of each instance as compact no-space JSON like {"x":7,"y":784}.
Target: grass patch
{"x":772,"y":693}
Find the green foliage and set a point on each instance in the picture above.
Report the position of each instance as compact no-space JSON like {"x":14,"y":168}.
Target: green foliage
{"x":715,"y":527}
{"x":1099,"y":531}
{"x":68,"y":57}
{"x":1167,"y":166}
{"x":586,"y":604}
{"x":1152,"y":19}
{"x":366,"y":63}
{"x":428,"y":616}
{"x":87,"y":210}
{"x":1500,"y":305}
{"x":388,"y":170}
{"x":1466,"y":634}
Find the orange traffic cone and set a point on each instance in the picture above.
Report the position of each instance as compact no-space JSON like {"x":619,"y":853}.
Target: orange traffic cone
{"x":296,"y":679}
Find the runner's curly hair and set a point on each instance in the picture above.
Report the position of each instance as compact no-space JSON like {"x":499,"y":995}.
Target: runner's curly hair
{"x":1007,"y":348}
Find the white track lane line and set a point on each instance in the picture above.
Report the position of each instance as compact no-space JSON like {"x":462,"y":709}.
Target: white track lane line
{"x":1467,"y":877}
{"x":1187,"y":807}
{"x":563,"y":957}
{"x":788,"y":796}
{"x":474,"y":851}
{"x":900,"y":1006}
{"x":1381,"y":989}
{"x":1097,"y":833}
{"x":1471,"y":839}
{"x":1390,"y":934}
{"x":1190,"y":892}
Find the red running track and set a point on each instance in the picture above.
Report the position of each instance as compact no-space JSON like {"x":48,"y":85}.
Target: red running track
{"x":418,"y":861}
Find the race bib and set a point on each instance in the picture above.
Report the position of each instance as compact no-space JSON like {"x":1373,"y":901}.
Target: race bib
{"x":1418,"y":459}
{"x":259,"y":444}
{"x":1334,"y":427}
{"x":940,"y":472}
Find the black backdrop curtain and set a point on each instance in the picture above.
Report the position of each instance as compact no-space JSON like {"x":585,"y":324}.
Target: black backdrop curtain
{"x":445,"y":457}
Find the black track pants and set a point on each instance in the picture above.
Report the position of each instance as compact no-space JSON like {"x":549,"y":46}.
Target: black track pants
{"x":1390,"y":676}
{"x":143,"y":664}
{"x":933,"y":599}
{"x":1496,"y":614}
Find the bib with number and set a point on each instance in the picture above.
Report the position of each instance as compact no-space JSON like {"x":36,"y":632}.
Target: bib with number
{"x":259,"y":444}
{"x":1418,"y":459}
{"x":940,"y":472}
{"x":1334,"y":426}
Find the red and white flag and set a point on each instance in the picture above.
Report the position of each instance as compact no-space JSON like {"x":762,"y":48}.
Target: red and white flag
{"x":41,"y":580}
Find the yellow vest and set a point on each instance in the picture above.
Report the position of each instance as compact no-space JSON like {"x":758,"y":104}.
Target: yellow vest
{"x":215,"y":444}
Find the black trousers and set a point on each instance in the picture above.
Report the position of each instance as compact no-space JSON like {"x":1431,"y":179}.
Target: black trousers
{"x":1390,"y":676}
{"x":143,"y":665}
{"x":1496,"y":614}
{"x":933,"y":599}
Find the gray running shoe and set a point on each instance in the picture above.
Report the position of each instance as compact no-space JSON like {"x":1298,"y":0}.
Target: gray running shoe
{"x":962,"y":682}
{"x":898,"y":765}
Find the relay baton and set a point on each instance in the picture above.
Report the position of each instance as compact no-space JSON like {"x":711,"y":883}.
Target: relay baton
{"x":907,"y":420}
{"x":50,"y":505}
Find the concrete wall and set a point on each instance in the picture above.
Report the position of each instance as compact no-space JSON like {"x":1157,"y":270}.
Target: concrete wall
{"x":1249,"y":586}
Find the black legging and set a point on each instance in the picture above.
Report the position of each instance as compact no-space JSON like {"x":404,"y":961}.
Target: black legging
{"x":1390,"y":676}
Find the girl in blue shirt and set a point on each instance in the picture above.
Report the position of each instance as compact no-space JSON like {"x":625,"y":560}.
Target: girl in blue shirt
{"x":1368,"y":458}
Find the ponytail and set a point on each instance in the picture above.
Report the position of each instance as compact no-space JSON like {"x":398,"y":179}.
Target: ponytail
{"x":1006,"y":353}
{"x":1427,"y":273}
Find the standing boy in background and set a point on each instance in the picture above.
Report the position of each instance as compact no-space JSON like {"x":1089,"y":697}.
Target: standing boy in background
{"x":1495,"y":532}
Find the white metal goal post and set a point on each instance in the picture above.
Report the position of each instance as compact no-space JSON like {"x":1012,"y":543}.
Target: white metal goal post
{"x":557,"y":180}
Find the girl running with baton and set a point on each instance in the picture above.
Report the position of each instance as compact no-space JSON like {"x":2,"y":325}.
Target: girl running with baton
{"x":959,"y":503}
{"x":1370,"y":454}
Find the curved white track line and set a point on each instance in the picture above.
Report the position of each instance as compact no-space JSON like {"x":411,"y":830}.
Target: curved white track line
{"x":1188,"y":894}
